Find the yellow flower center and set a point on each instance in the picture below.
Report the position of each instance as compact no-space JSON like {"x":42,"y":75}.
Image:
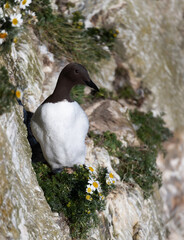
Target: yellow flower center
{"x":91,"y":169}
{"x":7,"y":5}
{"x":88,"y":197}
{"x":24,"y":2}
{"x":15,"y":40}
{"x":89,"y":190}
{"x":3,"y":35}
{"x":108,"y":182}
{"x":18,"y":94}
{"x":15,"y":21}
{"x":95,"y":184}
{"x":111,"y":175}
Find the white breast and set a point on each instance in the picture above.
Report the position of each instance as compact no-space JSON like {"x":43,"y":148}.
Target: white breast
{"x":61,"y":129}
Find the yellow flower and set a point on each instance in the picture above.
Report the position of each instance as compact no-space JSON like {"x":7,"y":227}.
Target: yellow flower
{"x":102,"y":197}
{"x":115,"y":35}
{"x":15,"y":40}
{"x":25,"y":3}
{"x":3,"y":35}
{"x":108,"y":182}
{"x":117,"y":31}
{"x":95,"y":184}
{"x":88,"y":197}
{"x":91,"y":169}
{"x":89,"y":189}
{"x":18,"y":93}
{"x":16,"y":20}
{"x":111,"y":175}
{"x":6,"y":5}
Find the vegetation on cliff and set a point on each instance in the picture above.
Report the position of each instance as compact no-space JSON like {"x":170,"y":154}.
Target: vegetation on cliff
{"x":78,"y":195}
{"x":137,"y":164}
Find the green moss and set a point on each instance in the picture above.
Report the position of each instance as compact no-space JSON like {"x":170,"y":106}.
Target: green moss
{"x":67,"y":193}
{"x":151,"y":130}
{"x":136,"y":163}
{"x":7,"y":92}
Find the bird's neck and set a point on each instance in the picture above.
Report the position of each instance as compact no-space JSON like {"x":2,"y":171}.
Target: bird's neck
{"x":61,"y":91}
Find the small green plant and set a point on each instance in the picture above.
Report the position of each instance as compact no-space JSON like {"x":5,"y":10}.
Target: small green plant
{"x":136,"y":163}
{"x":127,"y":92}
{"x":150,"y":129}
{"x":7,"y":92}
{"x":107,"y":140}
{"x":77,"y":93}
{"x":78,"y":195}
{"x":140,"y":165}
{"x":65,"y":39}
{"x":78,"y":20}
{"x":103,"y":35}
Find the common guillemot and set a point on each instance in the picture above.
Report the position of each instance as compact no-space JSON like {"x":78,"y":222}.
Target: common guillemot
{"x":59,"y":124}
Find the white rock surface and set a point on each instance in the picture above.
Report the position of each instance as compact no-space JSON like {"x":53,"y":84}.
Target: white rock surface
{"x":24,"y":212}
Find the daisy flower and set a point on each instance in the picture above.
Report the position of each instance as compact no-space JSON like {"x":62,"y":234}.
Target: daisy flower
{"x":108,"y":181}
{"x":94,"y":184}
{"x":88,"y":197}
{"x":6,"y":5}
{"x":110,"y":178}
{"x":3,"y":35}
{"x":29,"y":12}
{"x":89,"y":189}
{"x":102,"y":197}
{"x":91,"y":169}
{"x":16,"y":20}
{"x":25,"y":3}
{"x":19,"y":93}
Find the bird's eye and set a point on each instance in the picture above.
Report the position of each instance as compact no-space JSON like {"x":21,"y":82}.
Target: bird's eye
{"x":76,"y":71}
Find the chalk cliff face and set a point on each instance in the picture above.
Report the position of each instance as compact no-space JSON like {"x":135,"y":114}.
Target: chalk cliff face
{"x":24,"y":212}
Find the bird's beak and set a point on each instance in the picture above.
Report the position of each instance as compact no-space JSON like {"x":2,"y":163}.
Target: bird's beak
{"x":91,"y":84}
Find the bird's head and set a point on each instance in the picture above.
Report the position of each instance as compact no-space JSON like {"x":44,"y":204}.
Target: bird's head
{"x":78,"y":74}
